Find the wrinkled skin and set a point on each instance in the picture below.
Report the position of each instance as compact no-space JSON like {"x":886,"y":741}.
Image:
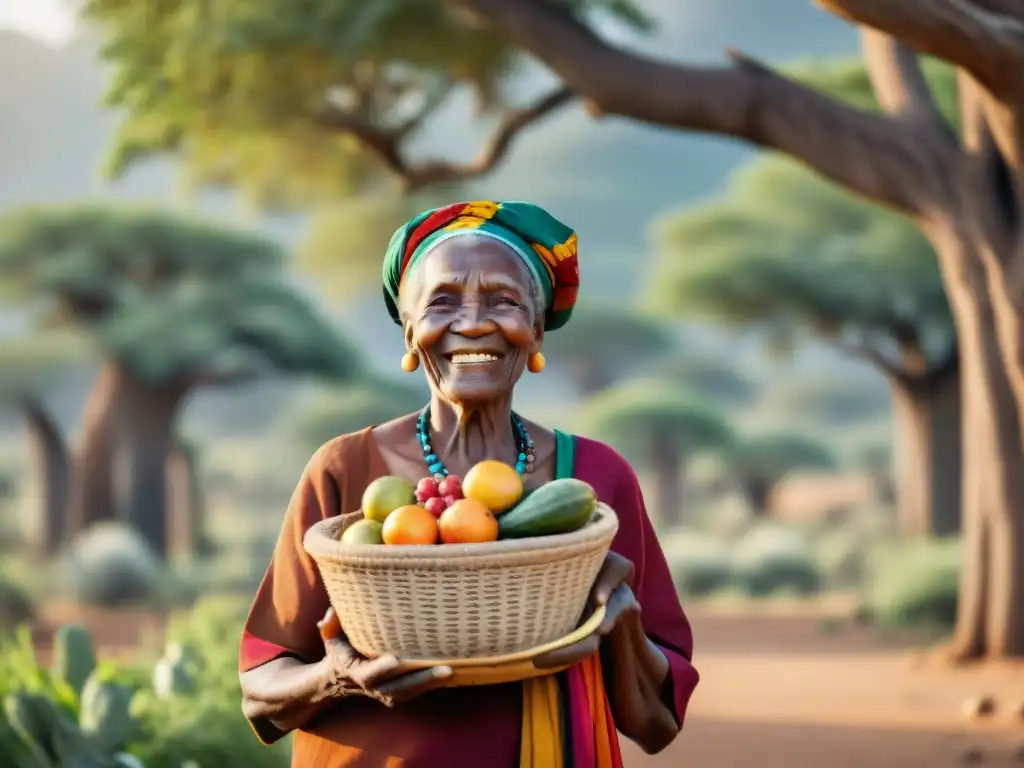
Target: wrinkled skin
{"x":473,"y":295}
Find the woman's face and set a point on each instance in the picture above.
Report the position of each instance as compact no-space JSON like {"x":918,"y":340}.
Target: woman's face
{"x":469,"y":314}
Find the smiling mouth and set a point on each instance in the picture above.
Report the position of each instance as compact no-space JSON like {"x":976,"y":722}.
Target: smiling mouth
{"x":468,"y":358}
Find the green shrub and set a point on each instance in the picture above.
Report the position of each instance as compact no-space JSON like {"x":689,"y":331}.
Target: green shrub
{"x":110,"y":565}
{"x":15,"y":604}
{"x":914,"y":584}
{"x":184,"y":710}
{"x":700,"y":564}
{"x":772,"y":559}
{"x":842,"y":558}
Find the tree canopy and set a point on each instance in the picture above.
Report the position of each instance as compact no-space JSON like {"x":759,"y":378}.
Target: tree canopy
{"x":829,"y":401}
{"x":716,"y":379}
{"x":606,"y":342}
{"x":631,"y":416}
{"x":293,"y":103}
{"x":768,"y":458}
{"x":793,"y":254}
{"x":171,"y":299}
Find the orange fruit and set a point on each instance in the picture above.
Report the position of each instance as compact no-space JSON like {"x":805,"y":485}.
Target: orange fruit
{"x":411,"y":524}
{"x":468,"y":521}
{"x":494,"y":483}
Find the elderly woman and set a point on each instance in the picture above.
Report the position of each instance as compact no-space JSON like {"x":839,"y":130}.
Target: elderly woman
{"x":474,"y":286}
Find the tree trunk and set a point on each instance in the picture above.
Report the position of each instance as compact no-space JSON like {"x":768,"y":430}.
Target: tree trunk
{"x":51,"y":469}
{"x":758,"y":491}
{"x":186,"y":513}
{"x":927,"y":418}
{"x":92,"y":496}
{"x":147,"y":429}
{"x":990,"y":617}
{"x":667,"y":464}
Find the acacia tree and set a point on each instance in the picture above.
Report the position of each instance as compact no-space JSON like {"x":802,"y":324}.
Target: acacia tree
{"x":324,"y":78}
{"x":713,"y":378}
{"x":28,"y":366}
{"x":605,"y":343}
{"x":761,"y":462}
{"x":662,"y":425}
{"x":811,"y":258}
{"x":171,"y":305}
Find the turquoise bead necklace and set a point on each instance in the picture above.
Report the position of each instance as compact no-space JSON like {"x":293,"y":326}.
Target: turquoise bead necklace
{"x":524,"y":446}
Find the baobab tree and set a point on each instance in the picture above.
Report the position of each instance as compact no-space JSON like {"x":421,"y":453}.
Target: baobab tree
{"x":338,"y":93}
{"x":792,"y":256}
{"x":171,"y":305}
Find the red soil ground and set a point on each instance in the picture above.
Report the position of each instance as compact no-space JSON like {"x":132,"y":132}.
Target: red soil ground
{"x":779,"y":692}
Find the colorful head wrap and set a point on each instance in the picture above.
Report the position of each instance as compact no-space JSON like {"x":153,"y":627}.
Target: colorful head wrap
{"x":546,"y":245}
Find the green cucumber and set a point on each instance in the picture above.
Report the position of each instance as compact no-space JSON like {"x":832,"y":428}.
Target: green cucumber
{"x":561,"y":506}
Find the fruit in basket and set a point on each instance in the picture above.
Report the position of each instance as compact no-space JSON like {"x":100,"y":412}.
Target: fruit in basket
{"x":386,"y":494}
{"x":426,"y":489}
{"x":494,"y":483}
{"x":561,"y":506}
{"x":364,"y":532}
{"x":450,"y":486}
{"x":410,"y":524}
{"x":435,"y":505}
{"x":468,"y":521}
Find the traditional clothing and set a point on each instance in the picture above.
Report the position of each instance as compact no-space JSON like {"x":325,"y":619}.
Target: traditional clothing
{"x":554,"y":721}
{"x":461,"y":727}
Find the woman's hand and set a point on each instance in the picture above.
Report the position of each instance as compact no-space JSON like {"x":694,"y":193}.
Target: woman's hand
{"x":612,"y":589}
{"x":386,"y":679}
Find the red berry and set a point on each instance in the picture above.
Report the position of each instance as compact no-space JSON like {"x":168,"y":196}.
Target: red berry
{"x":427,"y":489}
{"x":435,"y":505}
{"x":450,"y":486}
{"x":451,"y":499}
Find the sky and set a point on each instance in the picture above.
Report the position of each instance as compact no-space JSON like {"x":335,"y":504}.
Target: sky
{"x":50,"y":21}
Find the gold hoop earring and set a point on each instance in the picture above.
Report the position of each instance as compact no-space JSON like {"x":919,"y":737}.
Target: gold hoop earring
{"x":535,"y":363}
{"x":410,"y":362}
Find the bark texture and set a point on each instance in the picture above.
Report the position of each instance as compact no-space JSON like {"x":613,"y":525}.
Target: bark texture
{"x":967,"y":194}
{"x":186,"y":518}
{"x":928,"y":455}
{"x":92,"y":497}
{"x":50,"y":464}
{"x":667,"y":465}
{"x":146,"y":427}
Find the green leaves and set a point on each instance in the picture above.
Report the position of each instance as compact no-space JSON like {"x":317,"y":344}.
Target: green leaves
{"x":239,"y":89}
{"x":176,"y":301}
{"x":787,"y":250}
{"x":630,"y":413}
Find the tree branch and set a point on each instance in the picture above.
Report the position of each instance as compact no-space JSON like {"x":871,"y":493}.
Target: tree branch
{"x":870,"y":154}
{"x":870,"y":354}
{"x":988,"y":44}
{"x":386,"y":144}
{"x":899,"y":84}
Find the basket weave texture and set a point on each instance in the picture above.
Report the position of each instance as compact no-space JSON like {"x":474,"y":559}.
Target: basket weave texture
{"x":460,"y":601}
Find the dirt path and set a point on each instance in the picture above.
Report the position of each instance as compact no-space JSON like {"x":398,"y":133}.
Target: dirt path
{"x":778,"y":692}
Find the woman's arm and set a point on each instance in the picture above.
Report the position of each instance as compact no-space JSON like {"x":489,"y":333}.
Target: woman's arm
{"x":639,"y":684}
{"x":285,"y":692}
{"x":647,"y":656}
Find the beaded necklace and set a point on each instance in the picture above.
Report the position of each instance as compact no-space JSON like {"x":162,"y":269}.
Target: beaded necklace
{"x":524,"y":446}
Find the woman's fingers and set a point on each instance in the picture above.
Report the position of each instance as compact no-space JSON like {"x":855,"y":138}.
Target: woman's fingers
{"x":570,"y":654}
{"x":329,"y":626}
{"x":369,"y":674}
{"x":412,"y":683}
{"x":615,"y":571}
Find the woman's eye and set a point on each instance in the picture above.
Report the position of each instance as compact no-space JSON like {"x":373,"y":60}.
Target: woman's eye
{"x":440,"y":301}
{"x":505,"y":301}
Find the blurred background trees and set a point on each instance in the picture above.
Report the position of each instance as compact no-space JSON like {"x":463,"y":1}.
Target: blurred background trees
{"x":792,"y":255}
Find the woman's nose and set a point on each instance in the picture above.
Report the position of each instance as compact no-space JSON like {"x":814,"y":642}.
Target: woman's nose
{"x":473,"y":321}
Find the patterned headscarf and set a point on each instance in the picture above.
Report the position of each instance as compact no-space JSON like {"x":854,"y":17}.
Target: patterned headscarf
{"x":546,"y":245}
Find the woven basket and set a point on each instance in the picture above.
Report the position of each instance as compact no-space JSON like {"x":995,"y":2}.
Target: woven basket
{"x":460,"y":601}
